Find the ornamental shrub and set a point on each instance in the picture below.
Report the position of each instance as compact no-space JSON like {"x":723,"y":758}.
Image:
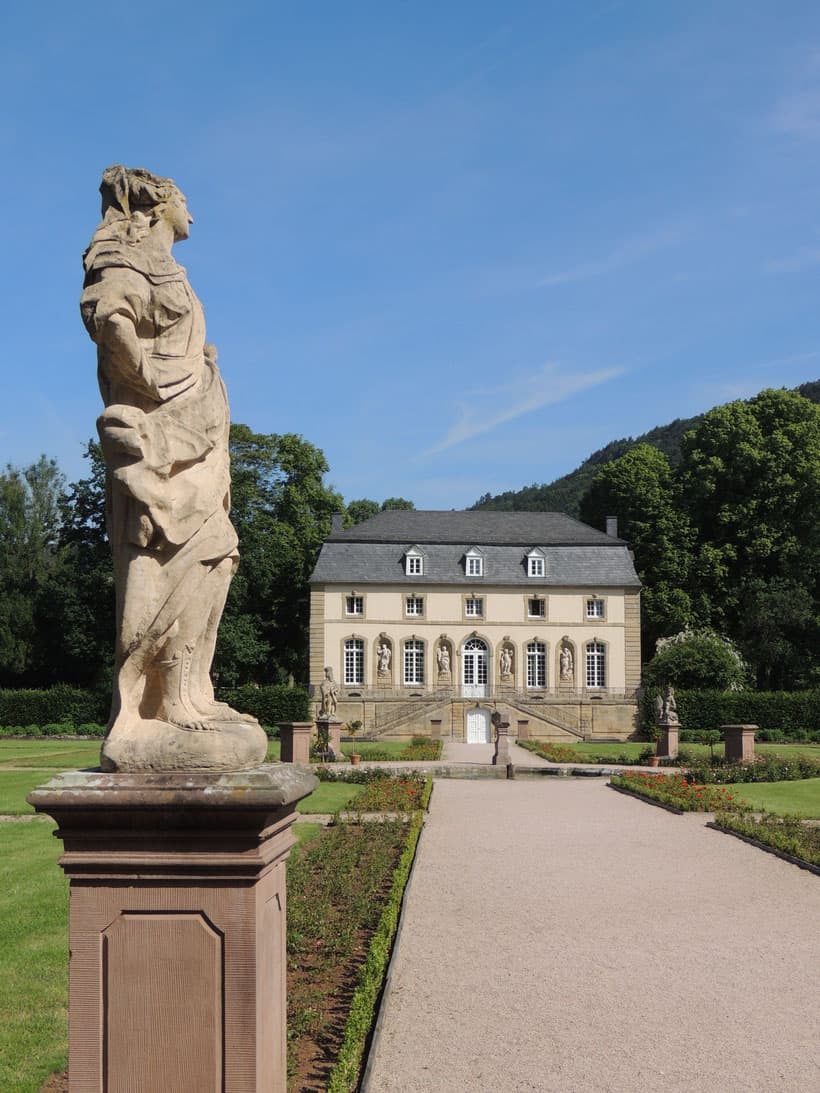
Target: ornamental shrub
{"x":696,"y":659}
{"x":780,"y":715}
{"x":60,"y":705}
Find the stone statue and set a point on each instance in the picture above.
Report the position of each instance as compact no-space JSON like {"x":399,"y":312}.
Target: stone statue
{"x":443,"y":660}
{"x":565,"y":664}
{"x":667,"y":707}
{"x":506,"y":662}
{"x":384,"y":655}
{"x":329,"y":696}
{"x":164,"y":435}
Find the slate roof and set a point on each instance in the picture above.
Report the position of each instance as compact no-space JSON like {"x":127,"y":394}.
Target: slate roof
{"x":575,"y":554}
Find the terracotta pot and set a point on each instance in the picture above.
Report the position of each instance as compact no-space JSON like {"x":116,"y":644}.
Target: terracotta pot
{"x":355,"y":758}
{"x":654,"y":760}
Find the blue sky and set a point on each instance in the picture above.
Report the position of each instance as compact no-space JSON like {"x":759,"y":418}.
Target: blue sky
{"x":458,"y":245}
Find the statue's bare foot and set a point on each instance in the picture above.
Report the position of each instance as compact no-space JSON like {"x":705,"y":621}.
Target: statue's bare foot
{"x":184,"y":716}
{"x":221,"y":711}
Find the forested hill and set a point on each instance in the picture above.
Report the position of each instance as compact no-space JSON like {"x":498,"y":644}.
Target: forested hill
{"x":564,"y":494}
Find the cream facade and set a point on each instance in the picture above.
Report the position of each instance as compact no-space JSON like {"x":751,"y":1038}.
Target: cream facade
{"x":421,"y":654}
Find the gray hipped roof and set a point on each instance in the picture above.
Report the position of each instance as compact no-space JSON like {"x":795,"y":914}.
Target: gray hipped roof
{"x":575,"y":554}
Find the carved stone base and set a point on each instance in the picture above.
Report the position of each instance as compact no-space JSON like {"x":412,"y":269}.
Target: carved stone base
{"x":294,"y":737}
{"x":159,"y":746}
{"x":177,"y":927}
{"x":740,"y":742}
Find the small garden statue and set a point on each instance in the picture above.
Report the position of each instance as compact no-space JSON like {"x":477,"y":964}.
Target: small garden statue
{"x":384,"y":654}
{"x":666,"y":709}
{"x":565,"y":663}
{"x":443,"y":660}
{"x":328,"y":696}
{"x":506,"y":661}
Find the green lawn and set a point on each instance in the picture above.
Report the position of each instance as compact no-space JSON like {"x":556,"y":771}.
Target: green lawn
{"x":784,"y":798}
{"x":633,"y":749}
{"x":365,"y":747}
{"x":33,"y":956}
{"x":329,"y":797}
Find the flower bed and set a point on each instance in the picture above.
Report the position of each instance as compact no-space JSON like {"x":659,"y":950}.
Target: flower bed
{"x":676,"y":792}
{"x":398,"y":793}
{"x":765,"y":768}
{"x":787,"y":834}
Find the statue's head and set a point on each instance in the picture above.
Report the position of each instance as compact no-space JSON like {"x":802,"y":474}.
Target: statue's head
{"x":143,"y":199}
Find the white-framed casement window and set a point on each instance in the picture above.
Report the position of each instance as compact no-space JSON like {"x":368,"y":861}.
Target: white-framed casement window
{"x":474,"y":607}
{"x":354,"y":605}
{"x":536,"y":566}
{"x":596,"y":664}
{"x":595,"y":608}
{"x":536,"y":608}
{"x":414,"y":562}
{"x":354,"y":661}
{"x":413,"y":662}
{"x":414,"y":606}
{"x":474,"y":563}
{"x":536,"y":664}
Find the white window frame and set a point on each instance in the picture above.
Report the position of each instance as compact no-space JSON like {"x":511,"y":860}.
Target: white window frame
{"x":474,"y":607}
{"x":536,"y":665}
{"x":357,"y":603}
{"x":414,"y":607}
{"x":353,"y":655}
{"x":414,"y":563}
{"x":536,"y":564}
{"x":595,"y":609}
{"x":413,"y":661}
{"x":474,"y":564}
{"x":541,"y":613}
{"x":595,"y":664}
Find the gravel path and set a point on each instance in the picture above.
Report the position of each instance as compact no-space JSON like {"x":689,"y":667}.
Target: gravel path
{"x":564,"y":938}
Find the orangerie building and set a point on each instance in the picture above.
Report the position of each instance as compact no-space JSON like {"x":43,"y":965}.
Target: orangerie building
{"x":429,"y":621}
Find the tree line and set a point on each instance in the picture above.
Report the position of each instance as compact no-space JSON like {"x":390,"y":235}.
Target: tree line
{"x":56,"y":578}
{"x":728,"y":538}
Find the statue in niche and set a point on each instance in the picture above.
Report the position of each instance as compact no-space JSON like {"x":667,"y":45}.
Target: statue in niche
{"x":164,"y":435}
{"x":384,"y":654}
{"x":443,"y":660}
{"x":505,"y":662}
{"x":328,"y":696}
{"x":565,"y":665}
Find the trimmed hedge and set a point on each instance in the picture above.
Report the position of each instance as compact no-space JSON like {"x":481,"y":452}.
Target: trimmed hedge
{"x":269,"y":705}
{"x":60,"y":705}
{"x":780,"y":715}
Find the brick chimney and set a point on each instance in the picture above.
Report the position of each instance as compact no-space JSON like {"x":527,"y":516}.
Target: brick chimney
{"x":612,"y":526}
{"x":336,"y":522}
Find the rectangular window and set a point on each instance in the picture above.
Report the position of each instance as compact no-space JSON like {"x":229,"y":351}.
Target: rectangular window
{"x":595,"y":609}
{"x":414,"y":605}
{"x":536,"y":567}
{"x":474,"y":607}
{"x":354,"y":605}
{"x":414,"y":662}
{"x":354,"y":661}
{"x":537,"y":609}
{"x":596,"y":664}
{"x":475,"y":565}
{"x":536,"y":664}
{"x":413,"y":565}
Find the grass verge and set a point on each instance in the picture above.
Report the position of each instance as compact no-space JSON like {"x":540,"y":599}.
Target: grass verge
{"x":799,"y":798}
{"x":788,"y":835}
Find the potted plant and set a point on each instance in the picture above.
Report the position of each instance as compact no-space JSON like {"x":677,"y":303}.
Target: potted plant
{"x":352,"y":728}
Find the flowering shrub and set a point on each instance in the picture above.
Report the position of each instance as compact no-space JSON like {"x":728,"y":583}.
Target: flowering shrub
{"x":402,"y":793}
{"x":421,"y":749}
{"x":554,"y":753}
{"x":676,"y":791}
{"x":765,"y":768}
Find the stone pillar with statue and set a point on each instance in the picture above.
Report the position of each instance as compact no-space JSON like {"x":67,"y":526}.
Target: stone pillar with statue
{"x":668,"y":722}
{"x":176,"y":848}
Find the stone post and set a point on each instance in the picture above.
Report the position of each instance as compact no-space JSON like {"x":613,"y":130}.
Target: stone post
{"x":334,"y":738}
{"x":501,"y":755}
{"x":176,"y":927}
{"x":668,"y":741}
{"x":294,"y":738}
{"x":740,"y":742}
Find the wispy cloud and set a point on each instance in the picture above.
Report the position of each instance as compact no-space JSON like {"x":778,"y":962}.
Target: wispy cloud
{"x":626,"y":254}
{"x":796,"y":113}
{"x":546,"y":386}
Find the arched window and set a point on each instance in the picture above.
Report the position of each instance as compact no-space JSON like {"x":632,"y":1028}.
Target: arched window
{"x":536,"y":664}
{"x":354,"y":661}
{"x":414,"y":662}
{"x":596,"y":664}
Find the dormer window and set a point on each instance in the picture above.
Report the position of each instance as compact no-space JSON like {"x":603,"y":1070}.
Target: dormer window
{"x":414,"y":562}
{"x":536,"y":563}
{"x":474,"y":563}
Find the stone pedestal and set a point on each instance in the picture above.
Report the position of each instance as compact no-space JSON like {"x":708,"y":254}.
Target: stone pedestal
{"x":294,"y":739}
{"x":501,"y":755}
{"x":334,"y":738}
{"x":740,"y":742}
{"x":668,"y":741}
{"x":176,"y":927}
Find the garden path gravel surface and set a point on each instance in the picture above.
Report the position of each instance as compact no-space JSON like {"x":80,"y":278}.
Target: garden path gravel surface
{"x":558,"y":936}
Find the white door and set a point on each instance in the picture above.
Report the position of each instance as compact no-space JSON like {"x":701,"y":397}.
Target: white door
{"x":474,"y":679}
{"x":478,"y":726}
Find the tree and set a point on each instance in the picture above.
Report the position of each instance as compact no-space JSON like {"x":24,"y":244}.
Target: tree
{"x":361,"y":510}
{"x":281,"y":509}
{"x":29,"y":527}
{"x":750,"y":480}
{"x":397,"y":503}
{"x":640,"y":489}
{"x":700,"y":660}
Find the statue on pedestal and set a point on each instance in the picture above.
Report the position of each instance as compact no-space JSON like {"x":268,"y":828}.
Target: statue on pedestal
{"x":328,"y":696}
{"x":164,"y":434}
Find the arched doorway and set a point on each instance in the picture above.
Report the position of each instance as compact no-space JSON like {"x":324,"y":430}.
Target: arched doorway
{"x":477,"y":726}
{"x":474,"y":668}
